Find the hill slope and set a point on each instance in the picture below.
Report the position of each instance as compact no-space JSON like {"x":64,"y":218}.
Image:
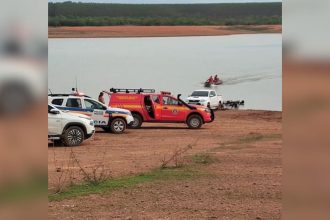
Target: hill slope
{"x":103,"y":14}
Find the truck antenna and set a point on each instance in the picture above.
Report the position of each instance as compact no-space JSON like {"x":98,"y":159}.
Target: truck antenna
{"x":76,"y":84}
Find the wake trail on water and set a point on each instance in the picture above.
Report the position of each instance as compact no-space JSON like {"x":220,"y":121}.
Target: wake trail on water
{"x":246,"y":78}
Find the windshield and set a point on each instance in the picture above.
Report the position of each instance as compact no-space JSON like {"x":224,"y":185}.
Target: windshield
{"x":200,"y":93}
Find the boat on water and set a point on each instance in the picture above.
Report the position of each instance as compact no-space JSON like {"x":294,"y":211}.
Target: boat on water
{"x":217,"y":82}
{"x":208,"y":83}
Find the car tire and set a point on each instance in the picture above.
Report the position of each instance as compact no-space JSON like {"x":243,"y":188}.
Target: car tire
{"x":194,"y":121}
{"x":73,"y":136}
{"x":118,"y":125}
{"x":137,"y":123}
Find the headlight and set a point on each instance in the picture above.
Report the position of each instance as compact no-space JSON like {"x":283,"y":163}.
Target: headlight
{"x":91,"y":123}
{"x":207,"y":110}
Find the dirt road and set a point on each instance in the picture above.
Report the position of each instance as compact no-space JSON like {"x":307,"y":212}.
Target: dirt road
{"x":239,"y":179}
{"x":158,"y":31}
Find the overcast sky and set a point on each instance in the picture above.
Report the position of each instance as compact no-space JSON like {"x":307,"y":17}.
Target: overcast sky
{"x":166,"y":1}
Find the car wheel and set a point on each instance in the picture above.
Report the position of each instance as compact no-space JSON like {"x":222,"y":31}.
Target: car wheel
{"x":73,"y":136}
{"x":194,"y":121}
{"x":137,"y":123}
{"x":118,"y":125}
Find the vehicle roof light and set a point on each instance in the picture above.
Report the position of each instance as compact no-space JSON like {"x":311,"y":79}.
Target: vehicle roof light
{"x":165,"y":93}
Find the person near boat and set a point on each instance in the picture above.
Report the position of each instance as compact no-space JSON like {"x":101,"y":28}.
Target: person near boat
{"x":210,"y":80}
{"x":216,"y":78}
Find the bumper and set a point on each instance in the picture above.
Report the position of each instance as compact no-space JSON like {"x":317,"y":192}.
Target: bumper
{"x":209,"y":118}
{"x":90,"y":134}
{"x":129,"y":120}
{"x":198,"y":103}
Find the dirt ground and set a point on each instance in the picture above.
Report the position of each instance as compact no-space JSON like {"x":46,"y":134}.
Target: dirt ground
{"x":243,"y":181}
{"x":158,"y":31}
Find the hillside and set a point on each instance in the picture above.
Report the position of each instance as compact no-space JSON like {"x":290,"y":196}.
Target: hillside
{"x":104,"y":14}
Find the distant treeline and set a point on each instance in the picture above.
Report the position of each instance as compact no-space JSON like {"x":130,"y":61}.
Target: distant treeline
{"x":104,"y":14}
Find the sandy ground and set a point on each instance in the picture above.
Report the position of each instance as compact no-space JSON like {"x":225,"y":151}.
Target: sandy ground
{"x":157,"y":31}
{"x":243,"y":183}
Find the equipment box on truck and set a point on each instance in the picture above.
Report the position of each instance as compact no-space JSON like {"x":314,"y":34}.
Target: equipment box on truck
{"x":148,"y":106}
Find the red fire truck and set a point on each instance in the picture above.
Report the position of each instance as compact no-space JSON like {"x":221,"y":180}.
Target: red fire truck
{"x":148,"y":106}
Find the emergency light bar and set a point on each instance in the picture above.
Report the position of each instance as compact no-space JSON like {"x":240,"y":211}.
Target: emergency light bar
{"x":132,"y":90}
{"x":165,"y":93}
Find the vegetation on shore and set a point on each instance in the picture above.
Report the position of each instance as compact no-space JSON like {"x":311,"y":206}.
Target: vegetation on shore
{"x":106,"y":14}
{"x":124,"y":182}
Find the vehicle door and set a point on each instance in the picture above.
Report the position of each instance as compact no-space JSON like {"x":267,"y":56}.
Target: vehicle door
{"x":157,"y":106}
{"x":74,"y":105}
{"x":98,"y":112}
{"x":172,"y":110}
{"x":54,"y":122}
{"x":213,"y":99}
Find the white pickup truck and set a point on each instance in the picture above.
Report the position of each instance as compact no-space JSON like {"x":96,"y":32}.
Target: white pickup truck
{"x":205,"y":97}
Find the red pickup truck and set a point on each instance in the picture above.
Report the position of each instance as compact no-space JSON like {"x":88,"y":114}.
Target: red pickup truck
{"x":148,"y":106}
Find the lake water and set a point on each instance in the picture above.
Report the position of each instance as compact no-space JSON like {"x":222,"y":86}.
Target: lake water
{"x":250,"y":65}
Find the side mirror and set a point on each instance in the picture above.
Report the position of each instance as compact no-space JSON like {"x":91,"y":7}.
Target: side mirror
{"x":54,"y":111}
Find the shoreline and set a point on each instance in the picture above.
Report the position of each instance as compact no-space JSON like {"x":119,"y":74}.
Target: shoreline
{"x":158,"y":31}
{"x":228,"y":155}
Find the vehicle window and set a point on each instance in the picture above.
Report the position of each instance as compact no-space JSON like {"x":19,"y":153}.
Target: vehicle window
{"x":212,"y":94}
{"x":169,"y":101}
{"x":57,"y":102}
{"x":91,"y":104}
{"x":155,"y":98}
{"x":73,"y":102}
{"x":200,"y":93}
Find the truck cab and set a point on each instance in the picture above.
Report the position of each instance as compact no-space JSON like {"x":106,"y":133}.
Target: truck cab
{"x":148,"y":106}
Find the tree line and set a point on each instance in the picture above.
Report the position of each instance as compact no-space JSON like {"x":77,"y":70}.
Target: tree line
{"x":104,"y":14}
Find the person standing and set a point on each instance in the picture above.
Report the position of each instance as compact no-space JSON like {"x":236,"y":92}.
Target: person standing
{"x":216,"y":79}
{"x":101,"y":97}
{"x":210,"y":80}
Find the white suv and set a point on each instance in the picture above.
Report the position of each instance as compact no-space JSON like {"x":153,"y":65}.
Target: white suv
{"x":109,"y":119}
{"x":72,"y":130}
